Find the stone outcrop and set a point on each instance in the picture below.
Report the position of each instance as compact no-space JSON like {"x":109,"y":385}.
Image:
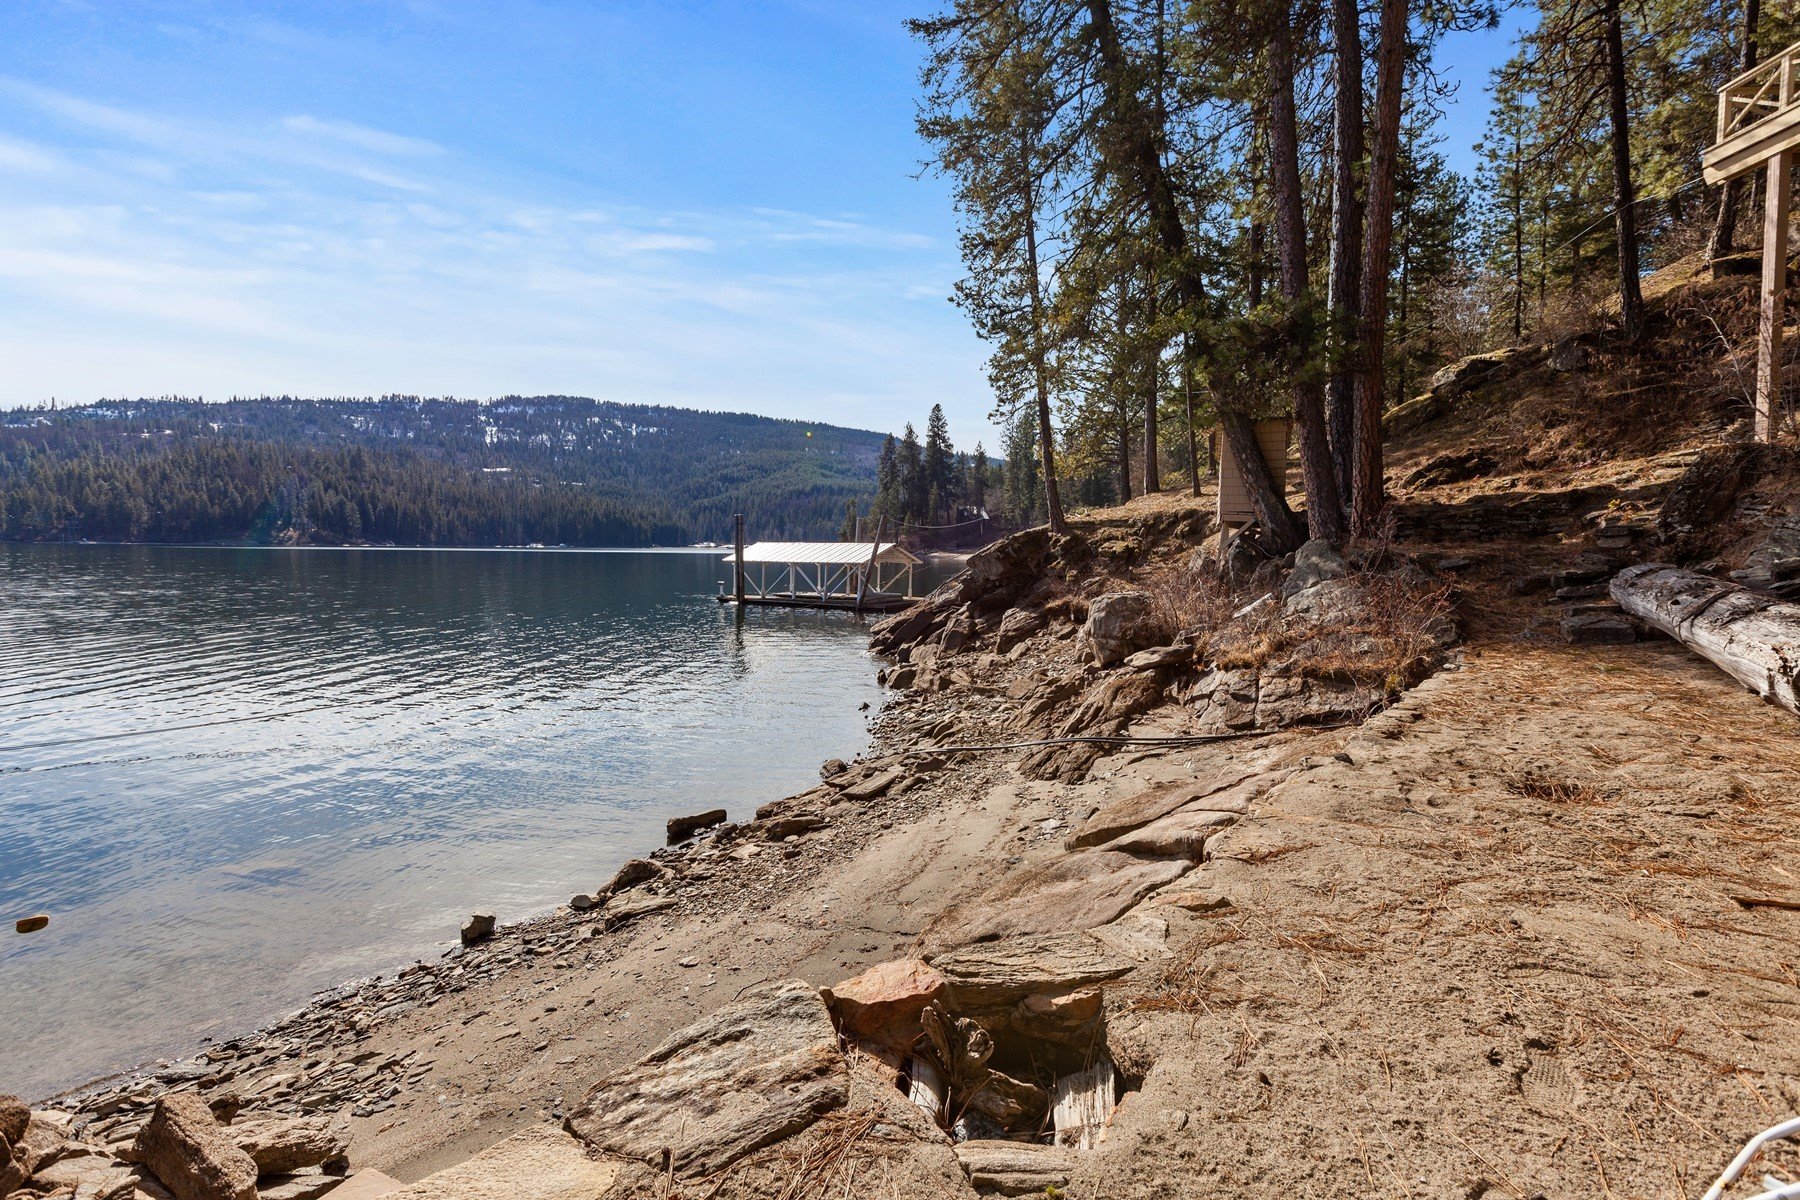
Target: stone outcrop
{"x":283,"y":1145}
{"x":1073,"y":891}
{"x":1005,"y":972}
{"x":194,"y":1156}
{"x":478,"y":928}
{"x":1118,"y":625}
{"x":752,"y":1073}
{"x":15,"y":1117}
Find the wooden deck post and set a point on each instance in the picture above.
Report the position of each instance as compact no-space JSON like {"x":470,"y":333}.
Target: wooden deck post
{"x":737,"y":523}
{"x":1777,"y":194}
{"x":862,"y":587}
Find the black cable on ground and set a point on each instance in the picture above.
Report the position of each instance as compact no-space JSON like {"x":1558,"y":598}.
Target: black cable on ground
{"x":1196,"y":739}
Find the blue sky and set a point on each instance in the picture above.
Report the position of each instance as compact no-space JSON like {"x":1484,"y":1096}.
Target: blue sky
{"x":705,"y":204}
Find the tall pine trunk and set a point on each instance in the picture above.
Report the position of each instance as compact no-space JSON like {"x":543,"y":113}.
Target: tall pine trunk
{"x":1343,"y":285}
{"x":1631,"y":295}
{"x":1324,"y":510}
{"x":1152,"y":369}
{"x":1367,"y":497}
{"x":1040,"y":369}
{"x":1725,"y":224}
{"x":1136,"y":160}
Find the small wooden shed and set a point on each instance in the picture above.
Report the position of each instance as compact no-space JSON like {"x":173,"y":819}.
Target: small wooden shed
{"x":1235,"y":508}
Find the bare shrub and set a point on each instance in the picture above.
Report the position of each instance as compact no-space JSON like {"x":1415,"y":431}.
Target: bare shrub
{"x":1383,"y":635}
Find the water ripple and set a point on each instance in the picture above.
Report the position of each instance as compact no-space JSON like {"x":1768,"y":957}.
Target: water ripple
{"x":236,"y":776}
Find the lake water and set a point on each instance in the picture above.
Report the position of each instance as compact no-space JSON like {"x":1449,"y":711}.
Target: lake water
{"x":236,"y":777}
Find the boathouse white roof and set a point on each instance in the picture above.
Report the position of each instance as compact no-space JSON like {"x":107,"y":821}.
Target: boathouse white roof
{"x":852,"y":553}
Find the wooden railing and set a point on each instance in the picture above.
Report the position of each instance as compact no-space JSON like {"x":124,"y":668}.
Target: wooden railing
{"x":1767,"y":88}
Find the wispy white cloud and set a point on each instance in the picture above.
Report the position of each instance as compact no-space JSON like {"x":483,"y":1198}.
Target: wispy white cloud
{"x":155,"y":254}
{"x":360,"y":136}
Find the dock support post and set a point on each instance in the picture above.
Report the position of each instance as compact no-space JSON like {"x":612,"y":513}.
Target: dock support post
{"x":737,"y":523}
{"x":1777,"y":189}
{"x":862,"y":586}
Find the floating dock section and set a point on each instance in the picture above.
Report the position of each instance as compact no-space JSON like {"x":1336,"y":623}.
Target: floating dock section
{"x":853,"y":576}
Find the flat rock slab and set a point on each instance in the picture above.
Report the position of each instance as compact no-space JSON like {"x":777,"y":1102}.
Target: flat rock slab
{"x":1008,"y":971}
{"x":1228,"y":792}
{"x":1014,"y":1168}
{"x":752,"y":1073}
{"x":367,"y":1184}
{"x":1074,"y":891}
{"x":1181,"y":834}
{"x":283,"y":1145}
{"x":541,"y":1163}
{"x":632,"y":905}
{"x":873,"y":785}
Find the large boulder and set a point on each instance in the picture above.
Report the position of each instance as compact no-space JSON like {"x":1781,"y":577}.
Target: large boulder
{"x":184,"y":1145}
{"x":283,"y":1145}
{"x":882,"y":1005}
{"x":749,"y":1075}
{"x":1017,"y":625}
{"x":1315,"y":562}
{"x":1119,"y":624}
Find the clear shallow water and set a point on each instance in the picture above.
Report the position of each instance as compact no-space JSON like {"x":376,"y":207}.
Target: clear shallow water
{"x":236,"y":777}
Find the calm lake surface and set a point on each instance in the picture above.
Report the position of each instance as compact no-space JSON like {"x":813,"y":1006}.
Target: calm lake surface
{"x":237,"y":777}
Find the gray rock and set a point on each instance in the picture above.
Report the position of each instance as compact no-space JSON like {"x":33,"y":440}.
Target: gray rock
{"x":1160,"y":656}
{"x":538,"y":1163}
{"x":621,"y":909}
{"x":634,"y":872}
{"x":479,"y":928}
{"x":1014,"y":1168}
{"x":192,"y":1154}
{"x":782,"y":827}
{"x":749,"y":1075}
{"x":15,"y":1118}
{"x":1599,"y":629}
{"x":1314,"y":563}
{"x":1017,"y":625}
{"x":680,"y":829}
{"x":1328,"y":602}
{"x":1118,"y":624}
{"x":1073,"y":891}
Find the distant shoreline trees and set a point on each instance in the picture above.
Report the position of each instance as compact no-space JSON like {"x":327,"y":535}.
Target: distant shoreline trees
{"x":414,"y":471}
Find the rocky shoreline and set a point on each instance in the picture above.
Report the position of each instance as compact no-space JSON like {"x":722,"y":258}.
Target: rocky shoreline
{"x":1040,"y":640}
{"x":1144,"y":880}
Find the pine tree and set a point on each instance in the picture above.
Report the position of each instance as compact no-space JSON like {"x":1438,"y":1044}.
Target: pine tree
{"x":937,"y":465}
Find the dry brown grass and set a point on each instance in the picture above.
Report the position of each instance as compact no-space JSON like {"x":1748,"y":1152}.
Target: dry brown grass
{"x":1384,"y":638}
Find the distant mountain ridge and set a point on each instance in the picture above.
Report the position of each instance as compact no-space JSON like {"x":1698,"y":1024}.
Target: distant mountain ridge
{"x":415,"y":471}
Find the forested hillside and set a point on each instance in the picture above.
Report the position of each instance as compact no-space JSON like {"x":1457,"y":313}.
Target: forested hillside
{"x":408,"y":470}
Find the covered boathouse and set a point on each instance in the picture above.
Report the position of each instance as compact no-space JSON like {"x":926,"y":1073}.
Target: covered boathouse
{"x":858,"y":576}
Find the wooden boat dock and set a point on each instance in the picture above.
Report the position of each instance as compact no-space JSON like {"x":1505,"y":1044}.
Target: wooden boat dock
{"x":851,"y":576}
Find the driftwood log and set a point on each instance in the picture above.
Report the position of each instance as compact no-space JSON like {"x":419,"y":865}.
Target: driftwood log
{"x":1753,"y":638}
